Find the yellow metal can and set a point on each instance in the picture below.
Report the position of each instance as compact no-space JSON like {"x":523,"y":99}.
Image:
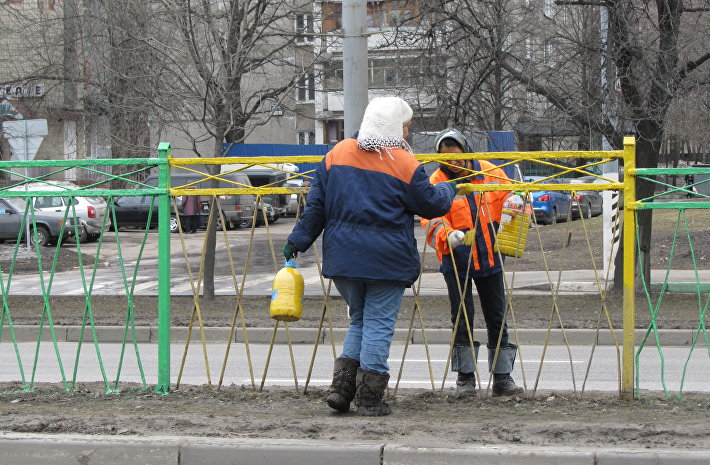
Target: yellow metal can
{"x":513,"y":232}
{"x":287,"y":294}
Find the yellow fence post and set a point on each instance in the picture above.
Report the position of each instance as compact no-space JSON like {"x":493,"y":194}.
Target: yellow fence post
{"x":627,"y":381}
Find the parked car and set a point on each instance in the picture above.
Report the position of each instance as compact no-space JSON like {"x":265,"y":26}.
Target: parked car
{"x":237,"y":209}
{"x":266,"y":176}
{"x":271,"y":214}
{"x":89,"y":209}
{"x":132,"y":212}
{"x":294,"y":205}
{"x":549,"y":206}
{"x":12,"y":211}
{"x":590,"y":202}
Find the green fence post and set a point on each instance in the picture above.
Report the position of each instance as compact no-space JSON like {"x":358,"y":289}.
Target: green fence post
{"x":163,"y":386}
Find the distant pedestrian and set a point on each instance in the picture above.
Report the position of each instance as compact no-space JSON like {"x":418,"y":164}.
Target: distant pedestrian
{"x":689,"y":181}
{"x":190,"y":213}
{"x":363,"y":198}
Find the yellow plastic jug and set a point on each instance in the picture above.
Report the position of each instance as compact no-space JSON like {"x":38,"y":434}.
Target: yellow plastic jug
{"x":287,"y":294}
{"x":513,"y":230}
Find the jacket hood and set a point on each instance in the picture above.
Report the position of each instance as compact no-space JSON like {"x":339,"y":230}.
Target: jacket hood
{"x":382,"y":124}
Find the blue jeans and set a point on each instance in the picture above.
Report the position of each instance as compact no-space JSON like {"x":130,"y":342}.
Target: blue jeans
{"x":374,"y":306}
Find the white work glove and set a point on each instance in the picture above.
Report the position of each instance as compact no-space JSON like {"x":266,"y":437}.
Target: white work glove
{"x":456,"y":239}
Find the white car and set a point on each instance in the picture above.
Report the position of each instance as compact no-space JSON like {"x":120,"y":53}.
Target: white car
{"x":90,"y":210}
{"x":293,"y":205}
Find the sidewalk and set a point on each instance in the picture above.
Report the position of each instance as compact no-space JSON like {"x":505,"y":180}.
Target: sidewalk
{"x":28,"y":449}
{"x":572,"y":282}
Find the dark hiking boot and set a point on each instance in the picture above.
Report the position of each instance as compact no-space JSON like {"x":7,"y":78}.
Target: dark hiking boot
{"x":371,"y":387}
{"x":503,"y":385}
{"x":465,"y":385}
{"x":342,"y":389}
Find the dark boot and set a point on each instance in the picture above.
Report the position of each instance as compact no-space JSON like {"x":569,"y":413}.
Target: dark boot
{"x":342,"y":389}
{"x":503,"y":384}
{"x":371,"y":387}
{"x":462,"y":361}
{"x":466,"y":385}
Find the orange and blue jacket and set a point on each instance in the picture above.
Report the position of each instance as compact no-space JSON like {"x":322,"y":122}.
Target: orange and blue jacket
{"x":364,"y":203}
{"x":480,"y":209}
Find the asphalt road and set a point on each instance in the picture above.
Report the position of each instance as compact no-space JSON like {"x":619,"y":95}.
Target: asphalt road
{"x":555,"y":374}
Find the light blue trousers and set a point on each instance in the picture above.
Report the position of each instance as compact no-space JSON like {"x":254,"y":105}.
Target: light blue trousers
{"x":374,"y":306}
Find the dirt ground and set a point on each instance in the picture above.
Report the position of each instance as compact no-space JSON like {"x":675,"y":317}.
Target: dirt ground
{"x":421,"y":418}
{"x":678,"y":311}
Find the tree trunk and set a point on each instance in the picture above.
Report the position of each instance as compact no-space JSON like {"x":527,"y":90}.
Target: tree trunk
{"x":211,"y":232}
{"x":647,"y":148}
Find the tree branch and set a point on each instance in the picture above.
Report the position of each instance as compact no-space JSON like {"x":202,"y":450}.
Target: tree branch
{"x":582,"y":2}
{"x":691,"y":66}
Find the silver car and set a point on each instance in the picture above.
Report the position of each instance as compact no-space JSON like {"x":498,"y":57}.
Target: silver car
{"x":12,"y":212}
{"x":90,"y":210}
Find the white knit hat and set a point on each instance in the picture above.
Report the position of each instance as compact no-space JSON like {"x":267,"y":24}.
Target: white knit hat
{"x":382,"y":124}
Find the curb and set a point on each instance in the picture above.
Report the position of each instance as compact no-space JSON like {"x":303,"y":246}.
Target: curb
{"x":149,"y":334}
{"x":65,"y":449}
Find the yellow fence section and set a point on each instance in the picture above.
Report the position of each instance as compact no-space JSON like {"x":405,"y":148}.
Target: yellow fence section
{"x":558,"y":287}
{"x":560,"y":165}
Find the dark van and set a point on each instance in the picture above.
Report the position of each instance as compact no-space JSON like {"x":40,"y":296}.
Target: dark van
{"x":262,"y":176}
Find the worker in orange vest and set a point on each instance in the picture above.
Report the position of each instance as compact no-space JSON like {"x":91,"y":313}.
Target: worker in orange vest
{"x":475,"y":260}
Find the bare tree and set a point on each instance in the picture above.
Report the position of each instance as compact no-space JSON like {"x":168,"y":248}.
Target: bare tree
{"x":474,"y":92}
{"x":655,"y":59}
{"x":229,"y":62}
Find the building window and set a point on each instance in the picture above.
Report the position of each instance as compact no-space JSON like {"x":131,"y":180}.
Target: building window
{"x":548,"y":8}
{"x":304,"y":28}
{"x":392,"y":13}
{"x":41,"y":4}
{"x":333,"y":75}
{"x":306,"y":137}
{"x":334,"y":131}
{"x":386,"y":73}
{"x":403,"y":13}
{"x":332,"y":16}
{"x":306,"y":88}
{"x":550,"y":53}
{"x":382,"y":14}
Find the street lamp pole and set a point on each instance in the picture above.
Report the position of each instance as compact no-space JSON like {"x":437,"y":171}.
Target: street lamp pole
{"x":354,"y":63}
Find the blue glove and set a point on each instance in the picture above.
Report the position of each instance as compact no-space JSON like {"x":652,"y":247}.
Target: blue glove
{"x":290,"y":251}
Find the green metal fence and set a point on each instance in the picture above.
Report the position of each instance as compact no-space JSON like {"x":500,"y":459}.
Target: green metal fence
{"x":690,"y":204}
{"x":25,"y":189}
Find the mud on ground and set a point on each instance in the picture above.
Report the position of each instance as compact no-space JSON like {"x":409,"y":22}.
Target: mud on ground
{"x":594,"y":420}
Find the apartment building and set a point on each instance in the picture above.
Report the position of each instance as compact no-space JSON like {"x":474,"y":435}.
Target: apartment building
{"x":395,"y":66}
{"x":400,"y":61}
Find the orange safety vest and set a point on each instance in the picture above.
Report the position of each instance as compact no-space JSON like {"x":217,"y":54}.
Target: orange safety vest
{"x":462,"y":216}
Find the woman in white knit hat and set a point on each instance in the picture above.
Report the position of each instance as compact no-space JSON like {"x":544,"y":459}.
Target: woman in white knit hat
{"x":363,"y":198}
